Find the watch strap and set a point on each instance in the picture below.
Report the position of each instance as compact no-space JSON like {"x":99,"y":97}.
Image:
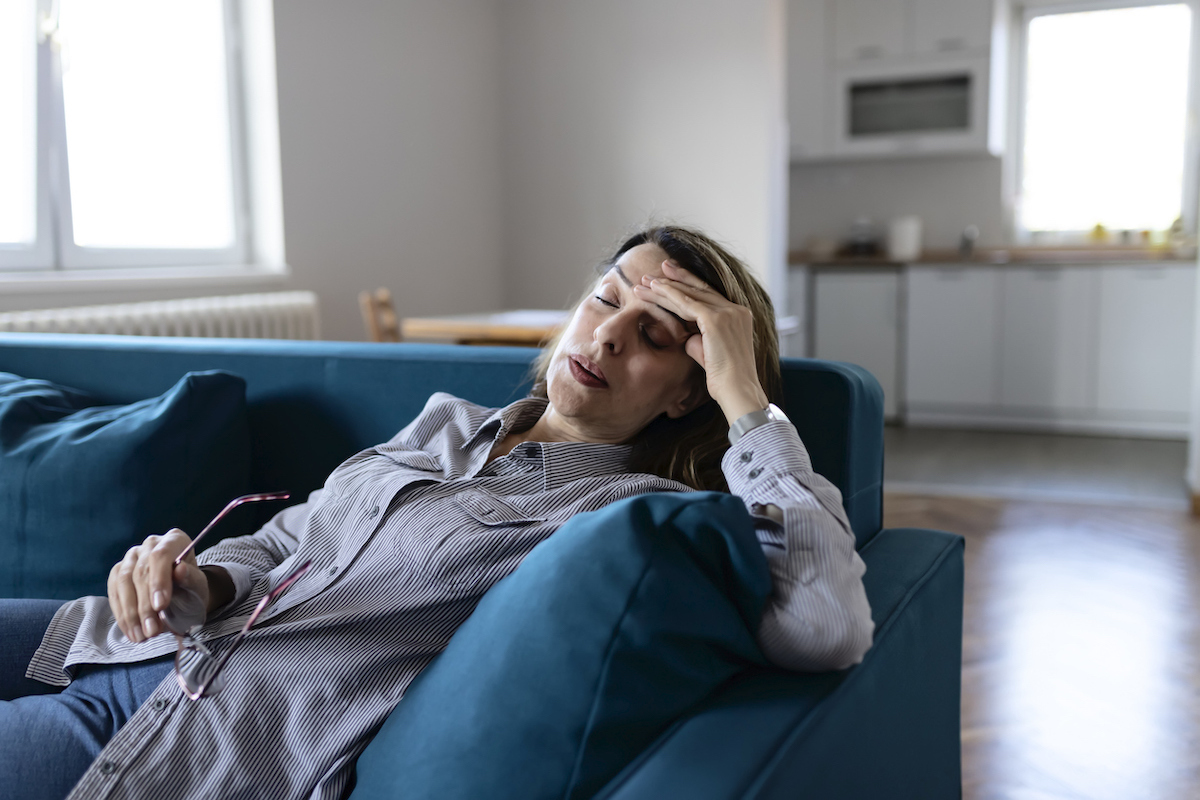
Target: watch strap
{"x":748,"y":422}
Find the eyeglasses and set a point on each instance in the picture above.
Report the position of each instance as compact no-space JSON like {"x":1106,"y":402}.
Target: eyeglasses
{"x":196,"y":669}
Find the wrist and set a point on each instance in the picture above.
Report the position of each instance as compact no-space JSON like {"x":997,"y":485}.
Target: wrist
{"x":220,"y":586}
{"x":742,"y":403}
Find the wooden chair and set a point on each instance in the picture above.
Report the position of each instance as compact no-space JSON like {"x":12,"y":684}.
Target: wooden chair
{"x":379,"y":315}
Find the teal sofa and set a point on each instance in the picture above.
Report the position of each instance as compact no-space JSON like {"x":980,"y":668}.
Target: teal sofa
{"x":886,"y":728}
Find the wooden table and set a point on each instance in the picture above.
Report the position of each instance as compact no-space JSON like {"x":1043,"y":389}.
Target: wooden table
{"x":521,"y":328}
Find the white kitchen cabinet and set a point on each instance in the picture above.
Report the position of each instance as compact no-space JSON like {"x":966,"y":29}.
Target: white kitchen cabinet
{"x":1048,"y":330}
{"x":866,"y":30}
{"x":894,"y":78}
{"x":1146,"y":319}
{"x":950,"y":26}
{"x":795,"y":343}
{"x":953,"y":338}
{"x":855,"y":316}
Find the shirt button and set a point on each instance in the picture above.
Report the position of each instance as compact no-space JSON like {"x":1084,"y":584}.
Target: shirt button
{"x":333,"y":570}
{"x":374,"y":512}
{"x":108,"y":768}
{"x":160,"y":704}
{"x":754,"y":473}
{"x":746,"y":456}
{"x":486,"y":511}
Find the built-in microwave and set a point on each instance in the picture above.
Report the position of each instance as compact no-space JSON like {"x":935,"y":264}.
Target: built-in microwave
{"x":921,"y":107}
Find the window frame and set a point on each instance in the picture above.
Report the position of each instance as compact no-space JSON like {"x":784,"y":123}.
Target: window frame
{"x":1022,"y":14}
{"x":55,"y":251}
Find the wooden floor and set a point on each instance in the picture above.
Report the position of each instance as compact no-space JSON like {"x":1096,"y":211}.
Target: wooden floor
{"x":1081,"y":650}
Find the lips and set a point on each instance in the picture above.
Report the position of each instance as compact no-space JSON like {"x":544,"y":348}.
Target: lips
{"x":587,"y":372}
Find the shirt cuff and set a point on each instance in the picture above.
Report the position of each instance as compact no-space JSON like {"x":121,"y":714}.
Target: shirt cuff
{"x":763,"y":454}
{"x":240,"y":575}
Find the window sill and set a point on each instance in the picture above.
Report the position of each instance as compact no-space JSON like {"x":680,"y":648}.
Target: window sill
{"x":133,"y":278}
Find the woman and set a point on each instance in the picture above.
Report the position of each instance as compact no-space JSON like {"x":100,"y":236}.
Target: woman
{"x":670,"y":356}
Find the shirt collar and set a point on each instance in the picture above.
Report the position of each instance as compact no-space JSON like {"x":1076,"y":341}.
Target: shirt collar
{"x":561,"y":462}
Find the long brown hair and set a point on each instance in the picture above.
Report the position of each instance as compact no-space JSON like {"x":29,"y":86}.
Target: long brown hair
{"x":689,"y":449}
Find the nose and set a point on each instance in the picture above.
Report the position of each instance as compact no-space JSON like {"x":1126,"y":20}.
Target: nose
{"x":613,"y":333}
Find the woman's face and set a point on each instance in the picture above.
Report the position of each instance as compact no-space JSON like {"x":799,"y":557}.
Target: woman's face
{"x":621,"y":362}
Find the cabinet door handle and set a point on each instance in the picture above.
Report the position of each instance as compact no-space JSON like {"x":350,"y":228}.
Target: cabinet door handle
{"x":951,"y":43}
{"x":869,"y":51}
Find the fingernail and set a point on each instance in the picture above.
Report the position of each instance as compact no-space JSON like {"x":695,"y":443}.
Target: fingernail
{"x":148,"y":627}
{"x":158,"y":601}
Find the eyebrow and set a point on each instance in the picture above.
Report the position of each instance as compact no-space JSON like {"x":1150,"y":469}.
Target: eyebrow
{"x":629,"y":283}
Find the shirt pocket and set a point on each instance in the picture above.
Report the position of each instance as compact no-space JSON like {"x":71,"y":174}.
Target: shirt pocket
{"x":493,"y":511}
{"x":496,"y":535}
{"x":413,"y":459}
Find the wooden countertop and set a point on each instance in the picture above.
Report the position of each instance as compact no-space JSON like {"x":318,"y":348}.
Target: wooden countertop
{"x":1016,"y":256}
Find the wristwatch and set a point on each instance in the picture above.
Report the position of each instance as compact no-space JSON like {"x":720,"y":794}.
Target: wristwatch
{"x":748,"y":422}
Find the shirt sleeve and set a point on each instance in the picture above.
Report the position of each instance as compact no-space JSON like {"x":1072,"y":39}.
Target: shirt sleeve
{"x":248,"y":558}
{"x":817,"y":617}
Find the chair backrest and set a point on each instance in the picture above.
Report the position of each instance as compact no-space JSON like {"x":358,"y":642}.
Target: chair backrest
{"x":379,"y":315}
{"x":313,"y":404}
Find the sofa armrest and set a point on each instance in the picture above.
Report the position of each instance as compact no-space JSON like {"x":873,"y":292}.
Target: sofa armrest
{"x":888,"y":727}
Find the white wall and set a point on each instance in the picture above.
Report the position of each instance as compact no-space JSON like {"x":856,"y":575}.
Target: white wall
{"x":947,"y":193}
{"x":389,"y":130}
{"x":623,"y":110}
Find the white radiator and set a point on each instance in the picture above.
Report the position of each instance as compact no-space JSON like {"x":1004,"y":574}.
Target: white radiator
{"x":276,"y":315}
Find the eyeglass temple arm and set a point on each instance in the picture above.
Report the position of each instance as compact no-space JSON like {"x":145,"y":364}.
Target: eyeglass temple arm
{"x":262,"y":604}
{"x":237,"y":501}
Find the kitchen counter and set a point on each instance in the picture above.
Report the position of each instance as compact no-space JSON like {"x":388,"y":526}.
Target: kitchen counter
{"x":1017,"y":256}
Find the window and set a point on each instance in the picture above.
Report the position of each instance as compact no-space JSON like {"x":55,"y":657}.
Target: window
{"x":122,"y":141}
{"x":1103,"y":120}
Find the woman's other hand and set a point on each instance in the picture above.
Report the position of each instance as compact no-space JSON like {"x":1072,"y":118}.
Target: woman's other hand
{"x":724,"y":343}
{"x":141,"y":584}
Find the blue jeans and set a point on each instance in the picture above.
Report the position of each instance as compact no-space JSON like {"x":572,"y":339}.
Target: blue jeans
{"x":48,"y":737}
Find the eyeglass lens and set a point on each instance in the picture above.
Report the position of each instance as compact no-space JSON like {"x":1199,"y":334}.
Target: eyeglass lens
{"x":196,"y":667}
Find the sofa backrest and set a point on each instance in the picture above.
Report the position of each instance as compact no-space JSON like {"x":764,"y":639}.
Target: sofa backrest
{"x":313,"y":404}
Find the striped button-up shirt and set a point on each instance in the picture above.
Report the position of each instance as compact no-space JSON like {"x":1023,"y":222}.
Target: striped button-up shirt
{"x":404,"y":539}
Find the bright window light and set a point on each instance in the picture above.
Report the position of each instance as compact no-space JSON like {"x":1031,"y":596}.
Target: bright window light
{"x":18,"y":122}
{"x":1105,"y":117}
{"x":147,"y":116}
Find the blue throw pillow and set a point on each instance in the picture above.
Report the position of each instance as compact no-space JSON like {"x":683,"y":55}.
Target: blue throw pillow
{"x":81,"y":482}
{"x":610,"y":630}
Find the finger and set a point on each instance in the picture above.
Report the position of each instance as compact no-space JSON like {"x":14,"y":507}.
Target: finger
{"x":674,"y":271}
{"x":176,"y":541}
{"x":685,"y":301}
{"x":163,"y":554}
{"x":694,"y":347}
{"x":143,"y":579}
{"x":124,"y":597}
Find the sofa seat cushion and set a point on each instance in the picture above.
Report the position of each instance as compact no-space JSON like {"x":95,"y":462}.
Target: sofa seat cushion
{"x":611,"y":629}
{"x":81,"y":482}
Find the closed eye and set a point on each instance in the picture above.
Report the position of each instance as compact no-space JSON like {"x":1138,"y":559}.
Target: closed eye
{"x":650,"y":341}
{"x":606,"y":302}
